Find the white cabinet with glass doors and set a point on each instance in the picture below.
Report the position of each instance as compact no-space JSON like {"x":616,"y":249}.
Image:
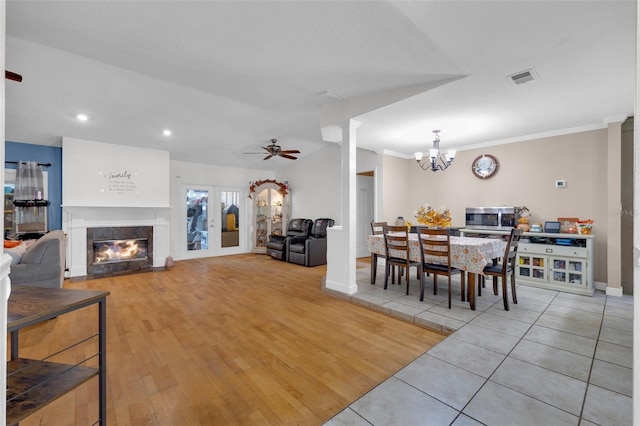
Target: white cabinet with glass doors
{"x":271,"y":213}
{"x":561,"y":262}
{"x":557,"y":267}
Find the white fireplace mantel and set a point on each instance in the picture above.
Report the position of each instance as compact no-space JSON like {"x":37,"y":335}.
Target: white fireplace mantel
{"x":76,"y":220}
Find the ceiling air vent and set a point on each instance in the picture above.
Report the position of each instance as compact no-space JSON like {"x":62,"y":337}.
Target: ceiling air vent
{"x":523,"y":76}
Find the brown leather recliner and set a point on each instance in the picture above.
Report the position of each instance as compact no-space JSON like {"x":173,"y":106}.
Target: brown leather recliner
{"x":311,"y":251}
{"x":278,"y":245}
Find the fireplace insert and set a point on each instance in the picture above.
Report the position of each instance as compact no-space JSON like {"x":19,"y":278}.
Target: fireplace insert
{"x":112,"y":251}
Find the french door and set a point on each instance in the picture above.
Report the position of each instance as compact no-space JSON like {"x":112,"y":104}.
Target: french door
{"x":231,"y":235}
{"x":215,"y":221}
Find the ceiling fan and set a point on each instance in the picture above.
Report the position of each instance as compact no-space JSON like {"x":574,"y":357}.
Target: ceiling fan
{"x":275,"y":150}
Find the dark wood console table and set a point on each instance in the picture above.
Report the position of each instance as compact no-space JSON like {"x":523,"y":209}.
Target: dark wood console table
{"x":32,"y":384}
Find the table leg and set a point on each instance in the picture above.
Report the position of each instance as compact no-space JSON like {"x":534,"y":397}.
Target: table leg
{"x":374,"y":267}
{"x":471,"y":285}
{"x":14,"y":344}
{"x":102,"y":360}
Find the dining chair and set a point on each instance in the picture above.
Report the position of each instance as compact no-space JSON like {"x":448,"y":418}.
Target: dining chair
{"x":396,"y":241}
{"x":377,"y":228}
{"x":507,"y":267}
{"x":435,"y":257}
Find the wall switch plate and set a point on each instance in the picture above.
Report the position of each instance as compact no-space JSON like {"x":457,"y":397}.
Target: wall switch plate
{"x":561,"y":183}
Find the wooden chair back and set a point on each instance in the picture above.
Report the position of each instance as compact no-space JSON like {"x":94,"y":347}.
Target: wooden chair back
{"x":434,"y":243}
{"x":377,"y":228}
{"x":396,"y":241}
{"x":510,"y":252}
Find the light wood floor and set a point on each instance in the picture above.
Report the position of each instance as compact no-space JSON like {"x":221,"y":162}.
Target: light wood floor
{"x":223,"y":341}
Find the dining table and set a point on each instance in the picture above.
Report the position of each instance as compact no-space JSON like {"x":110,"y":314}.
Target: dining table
{"x":468,"y":254}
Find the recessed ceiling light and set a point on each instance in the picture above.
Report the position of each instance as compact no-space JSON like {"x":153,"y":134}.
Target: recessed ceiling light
{"x":166,"y":132}
{"x":82,"y":117}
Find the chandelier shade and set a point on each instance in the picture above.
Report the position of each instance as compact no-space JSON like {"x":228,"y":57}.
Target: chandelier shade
{"x":436,"y":160}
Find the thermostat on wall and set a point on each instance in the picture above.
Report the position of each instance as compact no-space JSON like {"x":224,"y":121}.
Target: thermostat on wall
{"x":561,"y":183}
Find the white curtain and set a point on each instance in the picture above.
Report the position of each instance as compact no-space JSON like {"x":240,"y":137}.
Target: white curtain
{"x":29,"y":181}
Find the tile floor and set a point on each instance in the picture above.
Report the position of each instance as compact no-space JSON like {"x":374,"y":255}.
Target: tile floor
{"x":554,"y":359}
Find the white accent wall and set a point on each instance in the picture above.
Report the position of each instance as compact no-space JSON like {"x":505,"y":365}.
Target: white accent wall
{"x":105,"y":185}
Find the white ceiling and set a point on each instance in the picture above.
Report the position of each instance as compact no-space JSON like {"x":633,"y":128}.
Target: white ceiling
{"x":227,"y":76}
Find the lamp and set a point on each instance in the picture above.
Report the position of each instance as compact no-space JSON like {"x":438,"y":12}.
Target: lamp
{"x":431,"y":163}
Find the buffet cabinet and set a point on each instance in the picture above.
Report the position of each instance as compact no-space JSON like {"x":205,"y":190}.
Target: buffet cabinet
{"x":34,"y":383}
{"x":271,"y":214}
{"x":561,"y":262}
{"x":556,"y":267}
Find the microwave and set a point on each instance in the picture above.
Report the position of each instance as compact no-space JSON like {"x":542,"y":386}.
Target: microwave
{"x":490,"y":217}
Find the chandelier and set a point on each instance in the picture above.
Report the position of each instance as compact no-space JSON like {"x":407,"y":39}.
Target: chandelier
{"x":436,"y":160}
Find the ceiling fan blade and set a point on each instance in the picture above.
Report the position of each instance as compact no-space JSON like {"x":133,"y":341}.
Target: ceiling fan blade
{"x":290,"y":157}
{"x":12,"y":76}
{"x":268,"y":156}
{"x":290,"y":151}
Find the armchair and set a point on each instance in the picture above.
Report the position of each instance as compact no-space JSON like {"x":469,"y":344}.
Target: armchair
{"x":277,"y":246}
{"x":43,"y":263}
{"x":311,"y":251}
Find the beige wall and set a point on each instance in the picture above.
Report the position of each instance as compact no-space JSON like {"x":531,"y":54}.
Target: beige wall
{"x":396,"y":189}
{"x":526,"y":176}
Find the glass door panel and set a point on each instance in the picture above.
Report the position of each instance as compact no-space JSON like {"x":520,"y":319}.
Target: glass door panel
{"x":532,"y":266}
{"x":198,"y":221}
{"x":230,"y":210}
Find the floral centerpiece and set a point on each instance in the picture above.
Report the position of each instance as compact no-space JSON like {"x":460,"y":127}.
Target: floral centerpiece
{"x":426,"y":215}
{"x":523,"y":216}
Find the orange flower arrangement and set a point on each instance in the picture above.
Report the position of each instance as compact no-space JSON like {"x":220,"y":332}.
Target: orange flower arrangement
{"x":426,"y":215}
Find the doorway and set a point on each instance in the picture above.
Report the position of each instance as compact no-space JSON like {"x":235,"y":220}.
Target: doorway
{"x":215,"y":221}
{"x":365,"y":187}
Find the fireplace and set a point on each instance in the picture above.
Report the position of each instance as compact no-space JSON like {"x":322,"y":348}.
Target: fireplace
{"x":119,"y":250}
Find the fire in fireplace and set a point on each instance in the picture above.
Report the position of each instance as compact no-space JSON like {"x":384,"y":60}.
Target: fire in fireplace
{"x":119,"y":250}
{"x":110,"y":251}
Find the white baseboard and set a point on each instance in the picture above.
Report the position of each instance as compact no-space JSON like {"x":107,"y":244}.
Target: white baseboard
{"x":341,"y":287}
{"x":614,"y":291}
{"x":598,"y":285}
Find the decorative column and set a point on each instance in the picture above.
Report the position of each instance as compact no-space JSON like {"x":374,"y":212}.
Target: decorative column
{"x":614,"y":208}
{"x":341,"y":239}
{"x":5,"y":259}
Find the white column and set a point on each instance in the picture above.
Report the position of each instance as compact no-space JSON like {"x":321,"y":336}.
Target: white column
{"x":636,"y":233}
{"x":614,"y":208}
{"x":341,"y":244}
{"x":5,"y":259}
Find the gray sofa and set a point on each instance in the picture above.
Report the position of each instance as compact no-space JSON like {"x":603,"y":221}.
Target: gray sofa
{"x":43,"y":263}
